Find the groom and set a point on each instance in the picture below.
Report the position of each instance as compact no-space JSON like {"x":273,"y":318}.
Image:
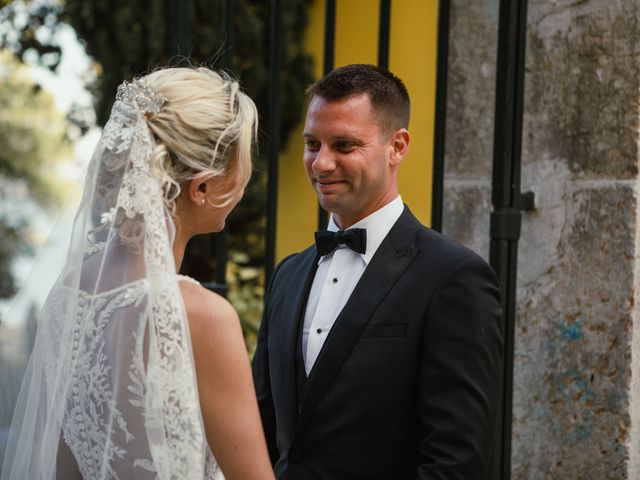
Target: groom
{"x":379,"y":352}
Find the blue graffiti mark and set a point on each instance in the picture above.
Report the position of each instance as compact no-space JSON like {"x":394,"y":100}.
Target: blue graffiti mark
{"x":572,"y":332}
{"x":573,"y":386}
{"x":582,"y":432}
{"x":577,"y":432}
{"x":577,"y":421}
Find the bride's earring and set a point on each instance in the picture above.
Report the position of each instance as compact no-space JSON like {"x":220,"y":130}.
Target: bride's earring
{"x":202,"y":202}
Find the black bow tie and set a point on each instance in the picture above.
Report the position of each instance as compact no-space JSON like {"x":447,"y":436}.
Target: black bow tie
{"x":355,"y":239}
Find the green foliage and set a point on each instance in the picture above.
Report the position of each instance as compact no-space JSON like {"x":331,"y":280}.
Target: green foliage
{"x":33,"y":135}
{"x":129,"y":38}
{"x":245,"y":293}
{"x":8,"y":248}
{"x":22,"y":22}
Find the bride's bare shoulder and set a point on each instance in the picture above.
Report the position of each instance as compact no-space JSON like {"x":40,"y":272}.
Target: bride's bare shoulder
{"x":207,"y":312}
{"x":219,"y":350}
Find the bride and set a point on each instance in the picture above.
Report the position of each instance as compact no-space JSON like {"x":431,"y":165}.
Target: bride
{"x":137,"y":372}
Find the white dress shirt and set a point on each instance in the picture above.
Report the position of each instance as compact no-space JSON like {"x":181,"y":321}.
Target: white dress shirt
{"x":337,"y":275}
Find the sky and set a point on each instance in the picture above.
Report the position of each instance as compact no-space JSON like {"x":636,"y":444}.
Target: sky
{"x":35,"y":274}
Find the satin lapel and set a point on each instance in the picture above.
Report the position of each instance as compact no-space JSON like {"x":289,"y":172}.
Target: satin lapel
{"x":392,"y":258}
{"x":296,"y":291}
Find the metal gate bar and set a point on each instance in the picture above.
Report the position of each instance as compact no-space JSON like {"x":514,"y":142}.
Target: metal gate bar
{"x":439,"y":137}
{"x":384,"y":30}
{"x":276,"y":43}
{"x":507,"y":203}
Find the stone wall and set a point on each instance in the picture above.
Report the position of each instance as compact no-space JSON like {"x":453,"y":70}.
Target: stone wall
{"x":577,"y":352}
{"x":470,"y":112}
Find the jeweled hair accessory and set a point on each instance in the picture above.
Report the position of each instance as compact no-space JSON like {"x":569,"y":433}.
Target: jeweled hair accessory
{"x":138,"y":92}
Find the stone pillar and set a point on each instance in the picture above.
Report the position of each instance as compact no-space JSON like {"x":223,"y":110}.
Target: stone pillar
{"x":470,"y":112}
{"x":577,"y":353}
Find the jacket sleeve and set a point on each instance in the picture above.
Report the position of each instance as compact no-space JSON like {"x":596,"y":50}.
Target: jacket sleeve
{"x":460,"y":373}
{"x":263,"y":388}
{"x":261,"y":377}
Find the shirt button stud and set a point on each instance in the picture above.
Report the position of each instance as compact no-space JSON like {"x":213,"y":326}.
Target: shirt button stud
{"x":335,"y":280}
{"x":319,"y":330}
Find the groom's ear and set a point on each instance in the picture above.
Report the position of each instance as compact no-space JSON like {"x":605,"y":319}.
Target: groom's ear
{"x":399,"y":145}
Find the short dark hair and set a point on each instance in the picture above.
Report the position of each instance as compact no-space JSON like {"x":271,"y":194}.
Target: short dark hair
{"x":387,"y":93}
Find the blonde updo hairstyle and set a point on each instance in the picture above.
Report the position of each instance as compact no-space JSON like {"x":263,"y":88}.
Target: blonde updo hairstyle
{"x":206,"y":126}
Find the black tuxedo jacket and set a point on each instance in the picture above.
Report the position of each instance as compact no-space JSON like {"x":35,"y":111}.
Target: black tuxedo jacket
{"x":407,"y":382}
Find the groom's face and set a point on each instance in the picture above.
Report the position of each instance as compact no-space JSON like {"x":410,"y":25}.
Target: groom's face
{"x":348,"y":159}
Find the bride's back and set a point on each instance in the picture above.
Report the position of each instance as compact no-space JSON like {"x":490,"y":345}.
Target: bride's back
{"x":111,"y":389}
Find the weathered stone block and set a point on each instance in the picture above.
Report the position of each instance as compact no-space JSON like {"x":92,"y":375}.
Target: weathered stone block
{"x":582,"y":85}
{"x":573,"y":332}
{"x":471,"y":88}
{"x":466,"y":210}
{"x":577,"y":354}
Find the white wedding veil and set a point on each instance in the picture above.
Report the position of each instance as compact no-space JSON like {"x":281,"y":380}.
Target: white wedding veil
{"x":110,"y":390}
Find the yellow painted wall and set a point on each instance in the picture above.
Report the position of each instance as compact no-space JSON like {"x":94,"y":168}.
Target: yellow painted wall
{"x":412,"y":56}
{"x":356,"y":31}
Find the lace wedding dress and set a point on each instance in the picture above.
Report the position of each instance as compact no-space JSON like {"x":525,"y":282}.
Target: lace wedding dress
{"x":110,"y":390}
{"x":98,"y":420}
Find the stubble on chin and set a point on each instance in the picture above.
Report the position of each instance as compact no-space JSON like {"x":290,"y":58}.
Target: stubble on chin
{"x":333,"y":202}
{"x":334,"y":205}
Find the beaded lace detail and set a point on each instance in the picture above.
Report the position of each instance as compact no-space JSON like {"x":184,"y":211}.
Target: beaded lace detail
{"x":137,"y":91}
